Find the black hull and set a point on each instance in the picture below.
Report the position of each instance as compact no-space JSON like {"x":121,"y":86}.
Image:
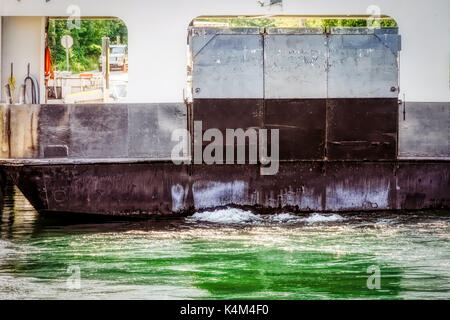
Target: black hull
{"x":142,"y":189}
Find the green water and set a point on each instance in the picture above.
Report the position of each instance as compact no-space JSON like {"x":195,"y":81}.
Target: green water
{"x":227,"y":254}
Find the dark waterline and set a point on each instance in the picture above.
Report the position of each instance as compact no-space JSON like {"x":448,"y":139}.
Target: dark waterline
{"x":222,"y":254}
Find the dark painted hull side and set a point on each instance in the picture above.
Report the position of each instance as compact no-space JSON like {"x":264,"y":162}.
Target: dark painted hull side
{"x":312,"y":129}
{"x":166,"y":189}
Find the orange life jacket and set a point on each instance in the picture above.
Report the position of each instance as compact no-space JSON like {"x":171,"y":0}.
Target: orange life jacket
{"x":49,"y":74}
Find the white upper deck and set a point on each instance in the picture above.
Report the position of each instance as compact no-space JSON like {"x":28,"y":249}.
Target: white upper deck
{"x":158,"y":32}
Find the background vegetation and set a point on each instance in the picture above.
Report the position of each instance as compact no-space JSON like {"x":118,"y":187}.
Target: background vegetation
{"x":290,"y":22}
{"x":87,"y":41}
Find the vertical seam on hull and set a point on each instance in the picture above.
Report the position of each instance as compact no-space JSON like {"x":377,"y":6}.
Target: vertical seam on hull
{"x":263,"y":111}
{"x":448,"y":135}
{"x":46,"y":191}
{"x":327,"y":97}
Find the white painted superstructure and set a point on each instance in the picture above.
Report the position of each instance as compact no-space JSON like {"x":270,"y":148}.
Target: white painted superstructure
{"x":158,"y":32}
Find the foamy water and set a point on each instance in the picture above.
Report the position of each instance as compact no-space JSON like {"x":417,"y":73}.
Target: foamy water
{"x":245,"y":217}
{"x":226,"y":216}
{"x":316,"y":217}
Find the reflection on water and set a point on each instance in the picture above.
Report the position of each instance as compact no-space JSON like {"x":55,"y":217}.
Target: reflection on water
{"x":226,"y":253}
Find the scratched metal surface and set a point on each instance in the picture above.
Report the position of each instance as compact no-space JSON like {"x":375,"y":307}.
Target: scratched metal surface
{"x":54,"y":131}
{"x":298,"y":63}
{"x":295,"y":66}
{"x":150,"y":128}
{"x":362,"y":129}
{"x":363,"y":66}
{"x":98,"y":131}
{"x":198,"y":37}
{"x":228,"y":66}
{"x":424,"y":130}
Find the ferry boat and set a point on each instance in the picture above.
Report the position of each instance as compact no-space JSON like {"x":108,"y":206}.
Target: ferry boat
{"x":362,"y":114}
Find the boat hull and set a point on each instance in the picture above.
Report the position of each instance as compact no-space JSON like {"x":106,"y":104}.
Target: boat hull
{"x":143,"y":189}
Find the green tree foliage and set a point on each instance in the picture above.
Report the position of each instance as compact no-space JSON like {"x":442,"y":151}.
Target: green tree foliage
{"x":290,"y":22}
{"x":385,"y":23}
{"x":87,"y":39}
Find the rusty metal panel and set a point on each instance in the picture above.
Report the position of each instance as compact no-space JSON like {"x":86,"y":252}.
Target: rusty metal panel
{"x":302,"y":127}
{"x":298,"y":186}
{"x":127,"y":189}
{"x":150,"y":129}
{"x":228,"y":66}
{"x":360,"y":186}
{"x":29,"y":179}
{"x":19,"y":131}
{"x":164,"y":188}
{"x":424,"y":130}
{"x":295,"y":66}
{"x":363,"y":65}
{"x":362,"y":129}
{"x":5,"y":112}
{"x":423,"y":185}
{"x":221,"y":185}
{"x":23,"y":131}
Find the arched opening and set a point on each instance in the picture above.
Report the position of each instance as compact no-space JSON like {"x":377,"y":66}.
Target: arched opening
{"x":88,"y":58}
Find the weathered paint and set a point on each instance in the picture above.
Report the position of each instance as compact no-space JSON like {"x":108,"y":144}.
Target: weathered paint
{"x":164,"y":188}
{"x":363,"y":65}
{"x":229,"y":114}
{"x":424,"y":130}
{"x":209,"y":194}
{"x":19,"y":125}
{"x":228,"y":66}
{"x":160,"y":187}
{"x":295,"y":66}
{"x":332,"y":96}
{"x":362,"y":129}
{"x":100,"y":131}
{"x":302,"y":125}
{"x":365,"y":186}
{"x":422,"y":186}
{"x":352,"y":129}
